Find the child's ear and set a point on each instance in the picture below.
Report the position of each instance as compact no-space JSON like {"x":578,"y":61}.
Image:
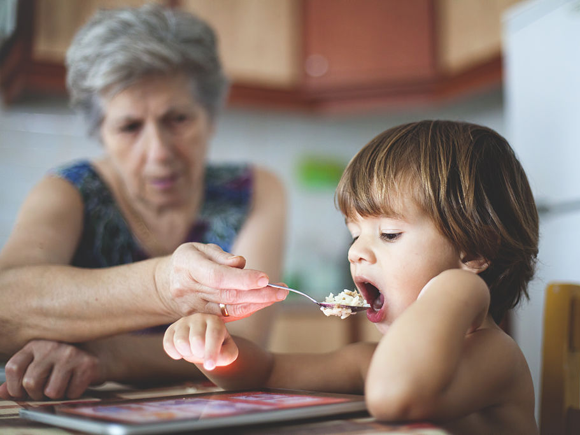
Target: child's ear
{"x":473,"y":264}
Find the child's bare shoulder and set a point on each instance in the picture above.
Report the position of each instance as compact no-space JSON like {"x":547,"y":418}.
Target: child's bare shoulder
{"x":508,"y":359}
{"x":491,"y":338}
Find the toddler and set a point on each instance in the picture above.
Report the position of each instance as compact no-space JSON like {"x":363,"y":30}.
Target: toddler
{"x":444,"y":241}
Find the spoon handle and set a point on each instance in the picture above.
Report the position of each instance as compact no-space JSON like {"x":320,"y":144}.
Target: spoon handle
{"x":294,"y":291}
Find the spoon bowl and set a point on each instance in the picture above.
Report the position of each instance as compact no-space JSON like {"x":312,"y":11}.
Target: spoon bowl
{"x":353,"y":308}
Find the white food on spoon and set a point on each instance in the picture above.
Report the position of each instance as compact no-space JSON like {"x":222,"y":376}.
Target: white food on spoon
{"x":346,"y":297}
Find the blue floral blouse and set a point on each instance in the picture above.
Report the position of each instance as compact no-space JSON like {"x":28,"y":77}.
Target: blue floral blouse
{"x":107,"y":241}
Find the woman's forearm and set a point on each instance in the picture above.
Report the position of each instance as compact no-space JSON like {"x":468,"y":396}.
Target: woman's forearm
{"x":64,"y":303}
{"x":139,"y":359}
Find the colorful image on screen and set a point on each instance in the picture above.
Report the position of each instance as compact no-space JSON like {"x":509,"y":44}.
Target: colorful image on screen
{"x":219,"y":405}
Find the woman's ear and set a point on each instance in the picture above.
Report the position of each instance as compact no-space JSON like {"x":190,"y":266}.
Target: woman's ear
{"x":473,"y":264}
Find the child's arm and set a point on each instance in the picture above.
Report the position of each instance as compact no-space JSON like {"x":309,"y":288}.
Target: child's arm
{"x":236,"y":363}
{"x":436,"y":361}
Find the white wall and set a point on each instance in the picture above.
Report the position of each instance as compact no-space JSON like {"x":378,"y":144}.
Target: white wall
{"x":542,"y":84}
{"x":38,"y":134}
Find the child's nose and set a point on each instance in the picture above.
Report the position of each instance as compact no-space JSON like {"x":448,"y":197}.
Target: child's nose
{"x":359,"y":251}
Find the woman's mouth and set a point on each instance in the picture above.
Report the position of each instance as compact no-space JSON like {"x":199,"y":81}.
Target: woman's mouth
{"x":374,"y":298}
{"x":164,"y":183}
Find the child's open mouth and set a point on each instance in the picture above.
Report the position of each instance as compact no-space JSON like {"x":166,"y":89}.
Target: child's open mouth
{"x":374,"y":297}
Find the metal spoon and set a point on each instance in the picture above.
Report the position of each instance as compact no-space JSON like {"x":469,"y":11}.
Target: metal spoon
{"x":354,"y":308}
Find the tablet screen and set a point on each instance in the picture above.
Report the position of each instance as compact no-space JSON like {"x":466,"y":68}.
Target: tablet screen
{"x":212,"y":406}
{"x":195,"y":411}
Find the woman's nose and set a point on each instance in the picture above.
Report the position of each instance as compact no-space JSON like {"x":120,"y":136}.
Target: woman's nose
{"x":360,"y":251}
{"x":158,"y":144}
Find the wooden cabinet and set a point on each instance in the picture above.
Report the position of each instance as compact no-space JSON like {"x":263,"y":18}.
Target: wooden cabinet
{"x":321,"y":55}
{"x":33,"y":59}
{"x":469,"y":32}
{"x":368,"y":44}
{"x":350,"y":55}
{"x":56,"y":22}
{"x":259,"y":40}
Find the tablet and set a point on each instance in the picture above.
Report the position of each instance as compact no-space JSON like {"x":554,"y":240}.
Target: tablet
{"x":195,"y":411}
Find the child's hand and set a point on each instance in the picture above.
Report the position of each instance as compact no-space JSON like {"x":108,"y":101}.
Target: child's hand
{"x":200,"y":339}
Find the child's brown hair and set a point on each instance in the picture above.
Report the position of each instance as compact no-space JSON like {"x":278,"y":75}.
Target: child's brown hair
{"x":468,"y":180}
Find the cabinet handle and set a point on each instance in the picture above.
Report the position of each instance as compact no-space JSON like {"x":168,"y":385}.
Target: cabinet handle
{"x":316,"y":65}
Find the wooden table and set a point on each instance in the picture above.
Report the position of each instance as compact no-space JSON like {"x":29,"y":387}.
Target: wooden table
{"x":11,"y":424}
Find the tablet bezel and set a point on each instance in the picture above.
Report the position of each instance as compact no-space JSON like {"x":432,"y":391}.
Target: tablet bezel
{"x":48,"y":414}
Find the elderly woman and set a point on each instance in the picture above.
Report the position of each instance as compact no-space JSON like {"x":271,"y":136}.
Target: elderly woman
{"x":140,"y":238}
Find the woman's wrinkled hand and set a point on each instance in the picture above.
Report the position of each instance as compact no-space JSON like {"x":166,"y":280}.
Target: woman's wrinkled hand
{"x":201,"y":339}
{"x":48,"y":369}
{"x":198,"y":277}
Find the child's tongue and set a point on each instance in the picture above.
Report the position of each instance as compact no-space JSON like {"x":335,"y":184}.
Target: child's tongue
{"x":378,"y":302}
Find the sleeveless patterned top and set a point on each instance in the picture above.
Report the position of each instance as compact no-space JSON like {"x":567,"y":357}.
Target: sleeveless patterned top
{"x":106,"y":239}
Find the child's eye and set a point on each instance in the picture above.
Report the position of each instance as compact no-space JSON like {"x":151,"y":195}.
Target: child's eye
{"x":354,"y":239}
{"x":390,"y":237}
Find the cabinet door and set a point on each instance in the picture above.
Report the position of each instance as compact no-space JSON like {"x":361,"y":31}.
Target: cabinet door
{"x":57,"y":21}
{"x":259,"y":40}
{"x":365,"y":43}
{"x":469,"y":32}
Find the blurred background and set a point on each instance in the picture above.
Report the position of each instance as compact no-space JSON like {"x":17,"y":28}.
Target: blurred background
{"x":312,"y":82}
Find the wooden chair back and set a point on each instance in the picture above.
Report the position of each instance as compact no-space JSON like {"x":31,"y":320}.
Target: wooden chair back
{"x":560,"y":393}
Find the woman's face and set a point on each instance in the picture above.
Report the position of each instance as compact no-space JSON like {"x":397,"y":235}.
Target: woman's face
{"x":156,"y":136}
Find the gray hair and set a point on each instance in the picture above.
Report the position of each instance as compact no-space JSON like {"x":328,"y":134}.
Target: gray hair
{"x":118,"y":47}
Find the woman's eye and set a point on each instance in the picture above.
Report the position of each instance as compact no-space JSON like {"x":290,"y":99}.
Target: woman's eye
{"x":179,"y":119}
{"x":354,"y":239}
{"x":390,"y":237}
{"x":131,"y":128}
